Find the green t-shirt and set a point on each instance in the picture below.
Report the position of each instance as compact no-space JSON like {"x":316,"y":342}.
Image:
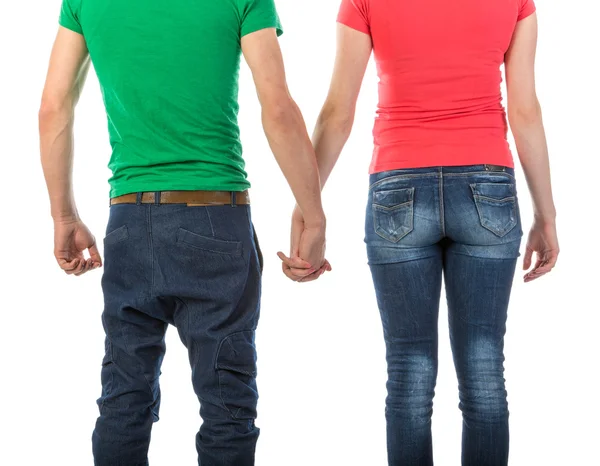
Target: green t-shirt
{"x":168,"y":70}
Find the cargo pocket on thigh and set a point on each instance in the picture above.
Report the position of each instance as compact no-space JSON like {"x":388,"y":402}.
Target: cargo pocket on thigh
{"x":236,"y":368}
{"x":497,"y":206}
{"x":393,"y":213}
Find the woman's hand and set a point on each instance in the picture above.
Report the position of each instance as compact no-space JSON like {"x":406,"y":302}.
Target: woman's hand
{"x":307,"y":251}
{"x":543,"y":240}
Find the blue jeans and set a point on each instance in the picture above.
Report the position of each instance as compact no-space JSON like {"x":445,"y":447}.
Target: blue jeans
{"x":199,"y":269}
{"x":462,"y":224}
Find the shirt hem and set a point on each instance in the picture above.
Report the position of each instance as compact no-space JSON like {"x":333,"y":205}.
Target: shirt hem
{"x":256,"y":28}
{"x":71,"y":27}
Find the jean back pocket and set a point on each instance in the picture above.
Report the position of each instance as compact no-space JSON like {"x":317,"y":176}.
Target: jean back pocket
{"x":497,"y":206}
{"x":217,"y":246}
{"x":393,"y":213}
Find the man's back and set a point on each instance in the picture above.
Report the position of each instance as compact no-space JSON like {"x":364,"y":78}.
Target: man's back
{"x":169,"y":76}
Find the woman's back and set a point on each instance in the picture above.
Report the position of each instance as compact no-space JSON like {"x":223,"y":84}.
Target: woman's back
{"x":438,"y":62}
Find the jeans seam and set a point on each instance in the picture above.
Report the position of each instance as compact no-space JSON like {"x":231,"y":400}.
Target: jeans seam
{"x":212,"y":230}
{"x":150,"y":247}
{"x":408,"y":175}
{"x":481,"y":173}
{"x":442,"y":214}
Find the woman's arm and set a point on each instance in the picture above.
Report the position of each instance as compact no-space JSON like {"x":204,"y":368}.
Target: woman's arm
{"x":337,"y":116}
{"x":333,"y":128}
{"x":525,"y":118}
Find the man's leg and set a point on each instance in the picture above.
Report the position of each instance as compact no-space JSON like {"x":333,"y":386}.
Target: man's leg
{"x":214,"y":271}
{"x":134,"y":343}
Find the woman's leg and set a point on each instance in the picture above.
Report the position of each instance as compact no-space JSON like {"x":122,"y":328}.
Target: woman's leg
{"x":403,"y":230}
{"x":478,"y":290}
{"x":408,"y":295}
{"x":483,"y":238}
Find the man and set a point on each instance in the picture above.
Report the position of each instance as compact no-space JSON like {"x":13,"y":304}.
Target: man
{"x":180,"y":246}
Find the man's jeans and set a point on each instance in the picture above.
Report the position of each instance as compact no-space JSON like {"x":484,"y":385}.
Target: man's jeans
{"x":462,"y":223}
{"x":199,"y":269}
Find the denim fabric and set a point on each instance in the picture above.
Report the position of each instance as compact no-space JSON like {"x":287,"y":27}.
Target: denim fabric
{"x":199,"y":269}
{"x":461,"y":224}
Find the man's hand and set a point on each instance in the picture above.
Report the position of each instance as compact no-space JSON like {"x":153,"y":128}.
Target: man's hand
{"x":71,"y":238}
{"x":307,"y":252}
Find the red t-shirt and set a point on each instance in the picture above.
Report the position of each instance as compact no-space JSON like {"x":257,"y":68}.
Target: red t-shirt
{"x":438,"y":63}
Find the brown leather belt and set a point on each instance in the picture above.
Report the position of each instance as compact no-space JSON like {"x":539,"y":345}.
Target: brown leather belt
{"x":190,"y":198}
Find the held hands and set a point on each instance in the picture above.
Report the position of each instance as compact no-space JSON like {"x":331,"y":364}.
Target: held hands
{"x":307,"y":254}
{"x":543,"y":240}
{"x":71,"y":238}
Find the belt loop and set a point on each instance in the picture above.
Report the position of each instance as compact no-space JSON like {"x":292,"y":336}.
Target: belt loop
{"x":233,"y":199}
{"x":157,"y":198}
{"x":138,"y":199}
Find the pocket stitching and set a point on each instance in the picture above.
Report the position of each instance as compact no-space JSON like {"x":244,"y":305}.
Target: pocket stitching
{"x":228,"y":248}
{"x":381,"y":208}
{"x":506,"y":200}
{"x":116,"y":236}
{"x":219,"y":368}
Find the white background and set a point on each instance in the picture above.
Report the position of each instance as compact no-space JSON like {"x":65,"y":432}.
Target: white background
{"x":321,"y":361}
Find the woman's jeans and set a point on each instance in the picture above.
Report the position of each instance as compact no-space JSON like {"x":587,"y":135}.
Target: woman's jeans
{"x":462,"y":223}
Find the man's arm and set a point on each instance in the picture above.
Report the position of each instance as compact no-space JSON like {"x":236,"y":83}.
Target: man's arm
{"x":286,"y":132}
{"x":68,"y":68}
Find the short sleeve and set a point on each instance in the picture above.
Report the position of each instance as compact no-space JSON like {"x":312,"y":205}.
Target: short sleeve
{"x":259,"y":14}
{"x":69,"y":16}
{"x":526,"y":9}
{"x":354,"y":14}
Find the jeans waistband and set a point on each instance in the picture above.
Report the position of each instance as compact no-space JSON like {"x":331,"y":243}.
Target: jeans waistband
{"x":437,"y":171}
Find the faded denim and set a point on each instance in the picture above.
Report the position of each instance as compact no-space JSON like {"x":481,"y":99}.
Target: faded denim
{"x":462,"y":224}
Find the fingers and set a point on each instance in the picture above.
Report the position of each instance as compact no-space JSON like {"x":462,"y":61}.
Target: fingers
{"x":88,"y":265}
{"x":77,"y":266}
{"x":527,"y":258}
{"x":77,"y":269}
{"x":545,"y":263}
{"x":294,"y":262}
{"x":95,"y":255}
{"x":69,"y":266}
{"x":293,"y":274}
{"x":296,"y":236}
{"x":290,"y":270}
{"x":312,"y":277}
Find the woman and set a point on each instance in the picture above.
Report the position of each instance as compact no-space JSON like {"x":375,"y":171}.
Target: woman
{"x":442,"y":198}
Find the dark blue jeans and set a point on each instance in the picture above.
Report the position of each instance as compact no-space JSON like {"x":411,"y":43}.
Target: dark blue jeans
{"x":462,"y":224}
{"x":199,"y":269}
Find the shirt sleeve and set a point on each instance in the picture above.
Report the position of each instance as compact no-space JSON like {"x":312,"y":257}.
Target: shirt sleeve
{"x":527,"y":9}
{"x":259,"y":14}
{"x":354,"y":14}
{"x":69,"y":16}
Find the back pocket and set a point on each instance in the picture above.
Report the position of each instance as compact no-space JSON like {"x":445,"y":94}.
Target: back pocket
{"x":497,"y":206}
{"x":393,"y":213}
{"x":218,"y":246}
